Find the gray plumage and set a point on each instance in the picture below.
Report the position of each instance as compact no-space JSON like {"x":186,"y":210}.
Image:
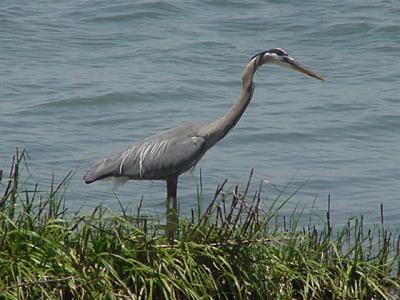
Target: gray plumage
{"x":166,"y":154}
{"x":173,"y":152}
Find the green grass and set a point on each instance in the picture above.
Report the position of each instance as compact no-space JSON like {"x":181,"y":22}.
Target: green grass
{"x":232,"y":250}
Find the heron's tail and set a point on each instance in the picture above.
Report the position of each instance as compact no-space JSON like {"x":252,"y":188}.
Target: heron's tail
{"x":102,"y":169}
{"x":89,"y":177}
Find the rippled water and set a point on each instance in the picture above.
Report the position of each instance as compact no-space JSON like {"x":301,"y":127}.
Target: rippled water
{"x":81,"y":80}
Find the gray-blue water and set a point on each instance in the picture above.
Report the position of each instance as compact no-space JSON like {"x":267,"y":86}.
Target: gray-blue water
{"x":81,"y":80}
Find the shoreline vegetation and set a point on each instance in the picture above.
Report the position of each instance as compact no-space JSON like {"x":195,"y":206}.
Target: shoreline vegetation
{"x":234,"y":249}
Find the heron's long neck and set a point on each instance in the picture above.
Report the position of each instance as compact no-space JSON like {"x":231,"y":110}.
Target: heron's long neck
{"x":218,"y":129}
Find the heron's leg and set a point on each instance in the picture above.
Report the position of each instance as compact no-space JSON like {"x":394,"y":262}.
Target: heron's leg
{"x":172,"y":207}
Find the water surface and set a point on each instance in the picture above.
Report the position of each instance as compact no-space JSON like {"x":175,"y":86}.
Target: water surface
{"x":81,"y":80}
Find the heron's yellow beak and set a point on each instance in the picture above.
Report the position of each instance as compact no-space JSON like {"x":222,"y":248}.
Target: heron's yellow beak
{"x":299,"y":67}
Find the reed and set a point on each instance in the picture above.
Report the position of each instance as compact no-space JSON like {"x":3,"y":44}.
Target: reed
{"x":234,"y":249}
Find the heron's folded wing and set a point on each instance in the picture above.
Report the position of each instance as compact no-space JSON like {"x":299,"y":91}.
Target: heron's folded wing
{"x":161,"y":157}
{"x":167,"y":154}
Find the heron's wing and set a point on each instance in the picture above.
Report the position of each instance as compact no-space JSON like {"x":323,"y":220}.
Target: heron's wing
{"x":166,"y":154}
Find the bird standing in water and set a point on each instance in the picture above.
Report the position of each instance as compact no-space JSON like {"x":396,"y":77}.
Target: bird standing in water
{"x":168,"y":154}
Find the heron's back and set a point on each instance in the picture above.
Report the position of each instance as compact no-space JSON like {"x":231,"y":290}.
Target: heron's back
{"x":166,"y":154}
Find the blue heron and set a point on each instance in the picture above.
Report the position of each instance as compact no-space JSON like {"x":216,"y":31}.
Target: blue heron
{"x":168,"y":154}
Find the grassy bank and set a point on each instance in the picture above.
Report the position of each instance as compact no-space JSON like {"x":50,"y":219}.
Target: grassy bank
{"x":232,"y":250}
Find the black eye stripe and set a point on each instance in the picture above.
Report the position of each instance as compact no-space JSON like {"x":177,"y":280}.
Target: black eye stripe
{"x":278,"y":51}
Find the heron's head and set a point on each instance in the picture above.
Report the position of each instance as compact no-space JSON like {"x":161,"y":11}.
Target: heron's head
{"x":281,"y":57}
